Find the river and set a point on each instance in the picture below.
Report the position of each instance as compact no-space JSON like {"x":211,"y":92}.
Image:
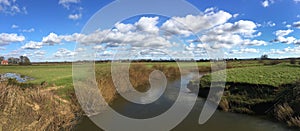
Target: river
{"x":219,"y":121}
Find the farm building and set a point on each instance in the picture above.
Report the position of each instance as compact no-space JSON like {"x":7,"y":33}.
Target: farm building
{"x":4,"y":62}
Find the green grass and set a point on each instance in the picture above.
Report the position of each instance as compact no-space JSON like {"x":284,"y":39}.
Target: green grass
{"x":274,"y":75}
{"x":252,"y":88}
{"x":53,"y":74}
{"x":268,"y":75}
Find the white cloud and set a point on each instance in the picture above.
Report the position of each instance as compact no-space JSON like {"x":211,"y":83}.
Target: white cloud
{"x":276,"y":51}
{"x":10,"y":38}
{"x":271,"y":24}
{"x":297,"y":24}
{"x":39,"y":52}
{"x":63,"y":53}
{"x":254,"y":42}
{"x":52,"y":39}
{"x":282,"y":39}
{"x":283,"y":32}
{"x":28,"y":30}
{"x":235,"y":15}
{"x":229,"y":35}
{"x":243,"y":27}
{"x":267,"y":3}
{"x":292,"y":50}
{"x":195,"y":23}
{"x":67,"y":3}
{"x":75,"y":16}
{"x":11,"y":7}
{"x":98,"y":47}
{"x":113,"y":38}
{"x":14,"y":26}
{"x":297,"y":1}
{"x":148,"y":25}
{"x":32,"y":45}
{"x":124,"y":27}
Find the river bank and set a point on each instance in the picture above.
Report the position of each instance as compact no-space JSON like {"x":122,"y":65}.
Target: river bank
{"x":261,"y":91}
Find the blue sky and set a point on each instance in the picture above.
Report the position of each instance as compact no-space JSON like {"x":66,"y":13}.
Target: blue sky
{"x":47,"y":30}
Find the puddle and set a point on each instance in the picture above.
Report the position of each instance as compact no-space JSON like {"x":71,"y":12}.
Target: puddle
{"x":18,"y":77}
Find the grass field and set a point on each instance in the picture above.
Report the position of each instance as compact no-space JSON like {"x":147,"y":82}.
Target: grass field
{"x":263,"y":89}
{"x":274,"y":75}
{"x":247,"y":89}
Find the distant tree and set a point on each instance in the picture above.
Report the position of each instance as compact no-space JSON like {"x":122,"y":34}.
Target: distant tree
{"x":16,"y":60}
{"x":1,"y":58}
{"x":264,"y":57}
{"x":24,"y":60}
{"x":10,"y":60}
{"x":21,"y":59}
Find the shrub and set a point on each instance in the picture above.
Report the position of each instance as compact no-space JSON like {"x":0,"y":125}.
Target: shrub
{"x":272,"y":62}
{"x":293,"y":61}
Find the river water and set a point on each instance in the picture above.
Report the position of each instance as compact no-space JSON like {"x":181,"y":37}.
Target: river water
{"x":219,"y":121}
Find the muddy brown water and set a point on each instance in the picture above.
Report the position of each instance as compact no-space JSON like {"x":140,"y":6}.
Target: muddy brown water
{"x":219,"y":121}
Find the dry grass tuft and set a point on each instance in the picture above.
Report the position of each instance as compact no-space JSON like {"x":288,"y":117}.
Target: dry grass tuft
{"x":31,"y":109}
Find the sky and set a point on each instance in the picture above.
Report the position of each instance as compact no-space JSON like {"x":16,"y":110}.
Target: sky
{"x":50,"y":30}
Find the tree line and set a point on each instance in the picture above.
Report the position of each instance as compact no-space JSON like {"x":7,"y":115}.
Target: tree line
{"x":22,"y":60}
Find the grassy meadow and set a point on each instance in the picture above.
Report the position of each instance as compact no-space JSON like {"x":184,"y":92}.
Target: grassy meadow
{"x":261,"y":88}
{"x":252,"y":86}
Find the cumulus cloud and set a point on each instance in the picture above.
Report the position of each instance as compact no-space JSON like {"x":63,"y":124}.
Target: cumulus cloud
{"x":52,"y":39}
{"x":148,"y":24}
{"x":281,"y":37}
{"x":75,"y":16}
{"x":242,"y":27}
{"x":267,"y":3}
{"x":11,"y":7}
{"x":213,"y":27}
{"x":228,"y":35}
{"x":10,"y":38}
{"x":63,"y":53}
{"x":254,"y":42}
{"x":32,"y":45}
{"x":288,"y":50}
{"x":112,"y":38}
{"x":297,"y":24}
{"x":196,"y":23}
{"x":283,"y":32}
{"x":98,"y":47}
{"x":292,"y":50}
{"x":124,"y":27}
